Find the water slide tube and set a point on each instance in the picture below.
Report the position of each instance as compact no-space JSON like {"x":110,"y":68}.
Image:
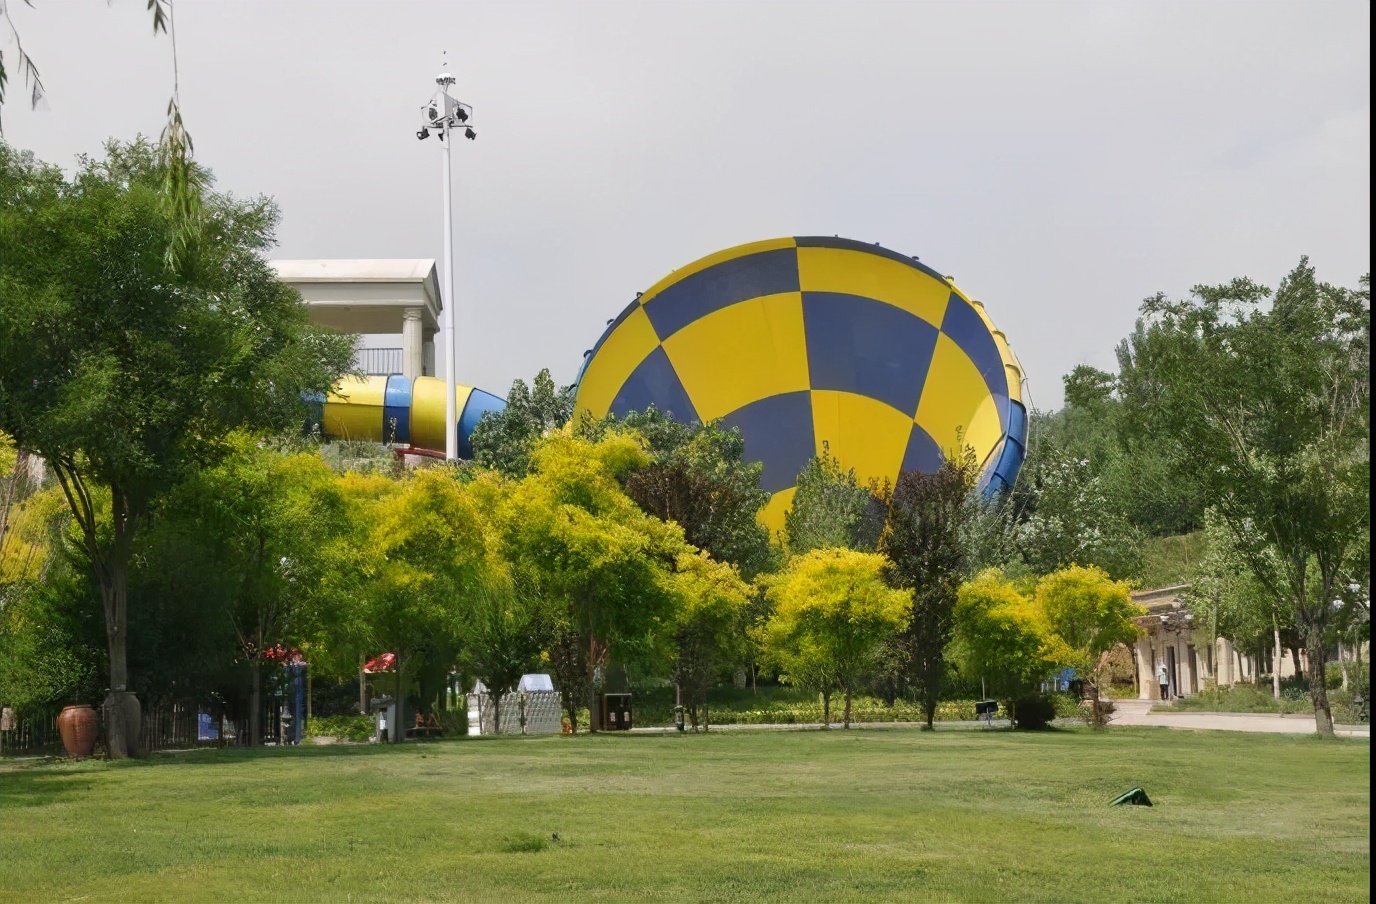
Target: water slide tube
{"x":399,"y":411}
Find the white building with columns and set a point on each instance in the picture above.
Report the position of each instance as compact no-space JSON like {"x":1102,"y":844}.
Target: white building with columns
{"x":393,"y":305}
{"x":1168,"y":636}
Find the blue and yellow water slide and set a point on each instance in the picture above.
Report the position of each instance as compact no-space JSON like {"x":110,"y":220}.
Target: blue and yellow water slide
{"x":804,"y":344}
{"x":400,"y":411}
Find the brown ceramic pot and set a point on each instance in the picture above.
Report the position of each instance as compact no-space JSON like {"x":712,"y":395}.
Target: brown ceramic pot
{"x":77,"y":724}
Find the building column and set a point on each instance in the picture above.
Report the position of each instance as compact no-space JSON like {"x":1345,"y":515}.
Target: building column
{"x":1225,"y":672}
{"x":411,"y":343}
{"x":1146,"y":675}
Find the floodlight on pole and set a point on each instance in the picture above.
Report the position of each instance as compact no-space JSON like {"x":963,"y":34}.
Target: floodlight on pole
{"x":444,"y":114}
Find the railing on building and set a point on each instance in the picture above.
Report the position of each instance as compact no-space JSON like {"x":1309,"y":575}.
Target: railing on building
{"x":378,"y":361}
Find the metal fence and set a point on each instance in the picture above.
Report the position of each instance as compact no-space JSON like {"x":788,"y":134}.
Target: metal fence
{"x":33,"y":735}
{"x":378,"y":361}
{"x":165,"y":726}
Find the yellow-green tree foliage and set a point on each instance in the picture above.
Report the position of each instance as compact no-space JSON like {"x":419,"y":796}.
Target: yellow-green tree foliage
{"x":706,"y":633}
{"x":1089,"y":613}
{"x":1015,"y":640}
{"x":832,"y":611}
{"x":601,"y":567}
{"x":1002,"y":637}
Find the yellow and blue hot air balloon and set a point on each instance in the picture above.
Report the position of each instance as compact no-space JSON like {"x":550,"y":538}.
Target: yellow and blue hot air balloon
{"x":801,"y":342}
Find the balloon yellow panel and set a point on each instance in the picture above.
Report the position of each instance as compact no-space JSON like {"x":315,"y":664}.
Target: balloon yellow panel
{"x":803,"y":341}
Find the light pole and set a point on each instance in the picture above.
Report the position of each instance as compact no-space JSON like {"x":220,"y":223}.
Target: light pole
{"x":445,"y":116}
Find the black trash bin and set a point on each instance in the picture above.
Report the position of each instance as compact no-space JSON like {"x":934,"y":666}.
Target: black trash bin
{"x":616,"y":712}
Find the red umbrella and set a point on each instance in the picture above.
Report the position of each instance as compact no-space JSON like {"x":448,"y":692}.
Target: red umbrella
{"x":383,"y":663}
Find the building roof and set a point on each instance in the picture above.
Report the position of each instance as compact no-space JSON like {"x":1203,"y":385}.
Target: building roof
{"x":1164,"y":605}
{"x":365,"y":295}
{"x":356,"y":270}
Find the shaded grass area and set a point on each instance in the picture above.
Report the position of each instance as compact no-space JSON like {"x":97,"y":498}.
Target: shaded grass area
{"x":782,"y":705}
{"x":885,"y":814}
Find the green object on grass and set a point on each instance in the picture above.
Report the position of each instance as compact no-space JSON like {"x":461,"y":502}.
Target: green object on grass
{"x":1136,"y":796}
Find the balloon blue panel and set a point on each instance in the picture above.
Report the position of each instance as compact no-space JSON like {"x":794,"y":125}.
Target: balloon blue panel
{"x":777,"y":431}
{"x":722,"y":285}
{"x":655,"y":382}
{"x":478,"y":404}
{"x":969,"y":331}
{"x":923,"y":454}
{"x":867,"y":347}
{"x":396,"y":410}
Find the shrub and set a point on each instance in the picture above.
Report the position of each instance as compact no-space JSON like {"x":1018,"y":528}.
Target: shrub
{"x":1034,"y":712}
{"x":454,"y":722}
{"x":1244,"y":698}
{"x":1349,"y":708}
{"x":345,"y":728}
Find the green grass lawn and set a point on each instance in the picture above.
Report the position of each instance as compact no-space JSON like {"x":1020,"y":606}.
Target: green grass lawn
{"x":875,"y":814}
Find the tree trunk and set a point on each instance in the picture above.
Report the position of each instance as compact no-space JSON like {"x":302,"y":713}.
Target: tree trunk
{"x":496,"y":711}
{"x":123,"y":715}
{"x":255,"y":705}
{"x":594,"y":722}
{"x":362,"y":686}
{"x":845,"y":716}
{"x":1342,"y":664}
{"x":1275,"y":666}
{"x":826,"y":709}
{"x":1318,"y":691}
{"x":399,"y":729}
{"x":1299,"y":669}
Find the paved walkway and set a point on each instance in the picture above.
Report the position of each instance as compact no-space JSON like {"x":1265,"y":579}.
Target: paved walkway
{"x":1144,"y":712}
{"x":1126,"y":712}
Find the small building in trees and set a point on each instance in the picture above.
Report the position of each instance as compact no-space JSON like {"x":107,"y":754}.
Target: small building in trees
{"x":1192,"y":661}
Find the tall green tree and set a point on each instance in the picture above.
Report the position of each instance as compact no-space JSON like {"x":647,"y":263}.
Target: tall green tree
{"x":833,"y":611}
{"x":924,"y":542}
{"x":831,"y":509}
{"x":697,"y":477}
{"x":1270,"y":406}
{"x":1002,"y":639}
{"x":127,"y":373}
{"x":1090,"y":614}
{"x":504,"y":439}
{"x":259,"y":519}
{"x":1076,"y":522}
{"x":501,"y":640}
{"x":601,"y":567}
{"x":429,"y":558}
{"x":705,"y":628}
{"x":1227,"y":600}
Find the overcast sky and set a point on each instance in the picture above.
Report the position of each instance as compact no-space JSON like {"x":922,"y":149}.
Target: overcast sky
{"x":1061,"y":161}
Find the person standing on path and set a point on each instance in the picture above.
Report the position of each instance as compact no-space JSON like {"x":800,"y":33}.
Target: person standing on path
{"x":1163,"y":679}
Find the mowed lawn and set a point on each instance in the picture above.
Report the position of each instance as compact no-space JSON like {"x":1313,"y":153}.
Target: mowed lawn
{"x":812,"y":816}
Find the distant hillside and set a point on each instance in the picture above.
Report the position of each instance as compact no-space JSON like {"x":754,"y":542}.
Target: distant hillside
{"x":1172,"y":560}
